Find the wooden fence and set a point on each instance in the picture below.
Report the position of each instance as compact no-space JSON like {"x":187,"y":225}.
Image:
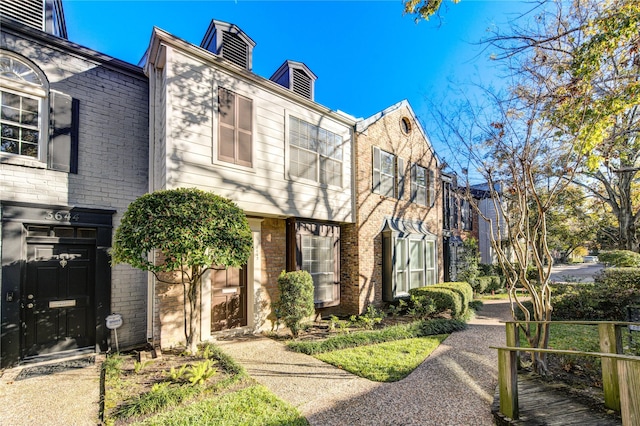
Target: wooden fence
{"x":620,"y":373}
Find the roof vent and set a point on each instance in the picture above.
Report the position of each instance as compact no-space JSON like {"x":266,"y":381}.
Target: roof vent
{"x":230,"y":42}
{"x":47,"y":15}
{"x":297,"y":77}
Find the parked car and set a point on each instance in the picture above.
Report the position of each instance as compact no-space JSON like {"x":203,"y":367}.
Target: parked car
{"x":590,"y":259}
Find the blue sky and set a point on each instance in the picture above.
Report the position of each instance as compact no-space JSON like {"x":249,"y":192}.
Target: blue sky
{"x":367,"y":54}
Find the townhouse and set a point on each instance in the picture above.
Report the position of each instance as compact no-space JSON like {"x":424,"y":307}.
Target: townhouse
{"x":356,"y":202}
{"x":73,"y":155}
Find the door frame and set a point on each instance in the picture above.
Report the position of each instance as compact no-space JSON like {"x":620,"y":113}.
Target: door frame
{"x":13,"y":245}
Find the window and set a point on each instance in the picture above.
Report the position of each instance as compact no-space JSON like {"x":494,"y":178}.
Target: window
{"x":236,"y":128}
{"x":315,"y":248}
{"x":405,"y":125}
{"x":28,"y":129}
{"x":22,"y":98}
{"x":408,"y":258}
{"x":388,"y":174}
{"x":20,"y":124}
{"x":317,"y":259}
{"x":315,"y":153}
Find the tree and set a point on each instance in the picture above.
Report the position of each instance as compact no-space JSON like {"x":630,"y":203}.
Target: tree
{"x":423,"y":9}
{"x":526,"y":165}
{"x":585,"y":55}
{"x":178,"y":235}
{"x":570,"y":224}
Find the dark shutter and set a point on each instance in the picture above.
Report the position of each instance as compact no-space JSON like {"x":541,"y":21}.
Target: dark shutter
{"x":431,"y":185}
{"x":63,"y":139}
{"x":400,"y":171}
{"x":376,"y":170}
{"x":414,"y":182}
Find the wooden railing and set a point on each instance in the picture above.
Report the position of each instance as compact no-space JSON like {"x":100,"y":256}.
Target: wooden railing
{"x":620,"y":373}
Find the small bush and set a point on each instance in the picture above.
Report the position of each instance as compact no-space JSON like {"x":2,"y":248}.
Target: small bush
{"x":369,"y":319}
{"x":463,"y":289}
{"x":444,"y":299}
{"x":420,"y":307}
{"x":486,"y":269}
{"x":482,"y":284}
{"x":497,"y":283}
{"x":620,"y":258}
{"x":296,"y":299}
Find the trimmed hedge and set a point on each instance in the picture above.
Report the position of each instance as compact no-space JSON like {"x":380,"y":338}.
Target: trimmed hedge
{"x":620,"y":258}
{"x":622,"y":278}
{"x":463,"y":288}
{"x":605,"y":300}
{"x":444,"y":299}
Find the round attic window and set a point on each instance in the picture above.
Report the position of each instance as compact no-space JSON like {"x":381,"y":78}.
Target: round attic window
{"x":405,"y":125}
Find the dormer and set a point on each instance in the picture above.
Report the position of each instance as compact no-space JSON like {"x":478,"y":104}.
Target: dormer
{"x":43,"y":15}
{"x":297,"y":77}
{"x":230,"y":42}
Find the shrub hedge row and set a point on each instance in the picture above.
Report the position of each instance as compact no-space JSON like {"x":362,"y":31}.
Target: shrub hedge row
{"x":605,"y":300}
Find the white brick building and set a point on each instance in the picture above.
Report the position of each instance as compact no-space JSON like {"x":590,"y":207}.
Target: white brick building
{"x":73,"y":155}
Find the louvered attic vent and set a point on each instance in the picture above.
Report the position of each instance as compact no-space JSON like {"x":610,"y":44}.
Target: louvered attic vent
{"x":42,"y":15}
{"x":234,"y":49}
{"x":230,"y":42}
{"x":296,"y":77}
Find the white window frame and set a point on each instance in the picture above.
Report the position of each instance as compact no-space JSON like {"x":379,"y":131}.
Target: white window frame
{"x":27,"y":89}
{"x":404,"y":266}
{"x":321,"y":155}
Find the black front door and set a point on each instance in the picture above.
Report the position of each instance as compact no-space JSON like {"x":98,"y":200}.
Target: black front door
{"x":57,"y":303}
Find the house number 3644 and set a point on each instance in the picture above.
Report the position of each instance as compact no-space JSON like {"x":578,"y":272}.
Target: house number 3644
{"x":61,"y":216}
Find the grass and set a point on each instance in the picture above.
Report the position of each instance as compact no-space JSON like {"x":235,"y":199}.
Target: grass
{"x":387,"y":334}
{"x":384,"y":362}
{"x":210,"y":388}
{"x":253,"y":405}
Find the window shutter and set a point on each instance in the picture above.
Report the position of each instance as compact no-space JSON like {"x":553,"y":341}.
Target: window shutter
{"x":431,"y":188}
{"x":414,"y":182}
{"x":400,"y":171}
{"x":63,"y":134}
{"x":376,"y":170}
{"x":245,"y":128}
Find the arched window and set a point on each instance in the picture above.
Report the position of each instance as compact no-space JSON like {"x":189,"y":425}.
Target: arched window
{"x":23,"y":95}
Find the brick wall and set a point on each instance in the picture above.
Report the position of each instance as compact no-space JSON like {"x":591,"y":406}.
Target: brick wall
{"x":273,"y":256}
{"x":372,"y":208}
{"x":113,"y":160}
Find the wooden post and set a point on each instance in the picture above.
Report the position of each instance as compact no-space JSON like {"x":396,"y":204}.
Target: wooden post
{"x":610,"y":343}
{"x":513,"y":338}
{"x":508,"y":382}
{"x":629,"y":375}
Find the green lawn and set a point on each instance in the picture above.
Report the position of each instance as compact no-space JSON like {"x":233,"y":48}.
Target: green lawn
{"x":384,"y":362}
{"x":254,"y":405}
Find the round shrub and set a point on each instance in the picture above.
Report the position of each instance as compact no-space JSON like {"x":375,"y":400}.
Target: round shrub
{"x":463,"y":288}
{"x":296,"y":299}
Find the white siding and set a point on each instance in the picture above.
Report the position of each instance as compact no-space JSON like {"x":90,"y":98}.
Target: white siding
{"x":265,"y":189}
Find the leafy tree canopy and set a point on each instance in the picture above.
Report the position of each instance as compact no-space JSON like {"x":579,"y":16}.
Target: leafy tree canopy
{"x":188,"y":226}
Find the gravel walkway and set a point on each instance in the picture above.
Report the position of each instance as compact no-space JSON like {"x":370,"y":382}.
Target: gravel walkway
{"x":68,"y":397}
{"x":454,"y":386}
